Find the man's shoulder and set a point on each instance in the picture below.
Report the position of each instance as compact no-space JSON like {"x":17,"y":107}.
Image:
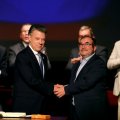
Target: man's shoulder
{"x":97,"y":59}
{"x":101,"y":47}
{"x":23,"y":52}
{"x":2,"y":48}
{"x":15,"y":46}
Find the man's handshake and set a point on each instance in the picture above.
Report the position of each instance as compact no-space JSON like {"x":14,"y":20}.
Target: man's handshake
{"x":59,"y":90}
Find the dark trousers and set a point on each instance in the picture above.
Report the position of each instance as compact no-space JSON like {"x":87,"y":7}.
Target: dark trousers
{"x":73,"y":114}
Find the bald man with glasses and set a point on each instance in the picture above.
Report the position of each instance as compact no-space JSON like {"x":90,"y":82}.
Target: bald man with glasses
{"x":87,"y":85}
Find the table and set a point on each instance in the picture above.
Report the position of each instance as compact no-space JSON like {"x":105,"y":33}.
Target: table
{"x":52,"y":118}
{"x":6,"y":98}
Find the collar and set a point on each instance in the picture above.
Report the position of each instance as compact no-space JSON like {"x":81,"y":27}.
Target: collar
{"x":35,"y":52}
{"x":25,"y":44}
{"x":87,"y":58}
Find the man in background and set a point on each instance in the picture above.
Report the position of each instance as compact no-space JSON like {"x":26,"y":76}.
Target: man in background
{"x":3,"y":64}
{"x":15,"y":49}
{"x":3,"y":73}
{"x":24,"y":41}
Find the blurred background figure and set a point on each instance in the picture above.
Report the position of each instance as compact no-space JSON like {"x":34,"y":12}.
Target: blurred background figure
{"x":3,"y":72}
{"x":15,"y":49}
{"x":112,"y":64}
{"x":3,"y":65}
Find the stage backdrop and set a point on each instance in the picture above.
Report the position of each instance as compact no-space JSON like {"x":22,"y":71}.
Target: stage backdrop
{"x":62,"y":19}
{"x":50,"y":11}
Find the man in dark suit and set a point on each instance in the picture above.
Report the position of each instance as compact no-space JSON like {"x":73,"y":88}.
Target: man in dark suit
{"x":3,"y":72}
{"x":30,"y":86}
{"x":87,"y":84}
{"x":3,"y":64}
{"x":18,"y":47}
{"x":101,"y":51}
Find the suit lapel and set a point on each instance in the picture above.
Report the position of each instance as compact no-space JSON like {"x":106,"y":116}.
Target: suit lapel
{"x":44,"y":61}
{"x":87,"y":64}
{"x":33,"y":58}
{"x":35,"y":62}
{"x":21,"y":46}
{"x":74,"y":71}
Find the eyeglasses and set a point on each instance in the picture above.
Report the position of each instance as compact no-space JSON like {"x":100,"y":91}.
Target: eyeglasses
{"x":86,"y":44}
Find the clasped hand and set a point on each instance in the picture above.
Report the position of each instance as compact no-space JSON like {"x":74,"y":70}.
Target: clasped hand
{"x":59,"y":90}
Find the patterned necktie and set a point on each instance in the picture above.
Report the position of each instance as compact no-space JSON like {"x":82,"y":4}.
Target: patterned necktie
{"x":41,"y":64}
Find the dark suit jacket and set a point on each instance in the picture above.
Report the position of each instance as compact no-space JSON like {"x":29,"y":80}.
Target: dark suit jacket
{"x":13,"y":51}
{"x":3,"y":65}
{"x":89,"y":89}
{"x":30,"y":87}
{"x":101,"y":51}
